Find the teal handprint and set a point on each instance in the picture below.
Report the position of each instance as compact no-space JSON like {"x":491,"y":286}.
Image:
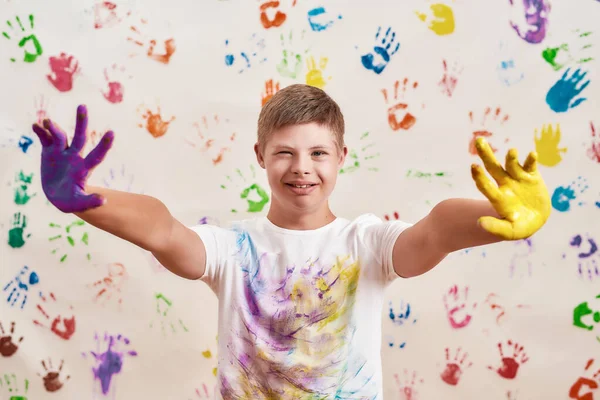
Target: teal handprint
{"x":255,"y":196}
{"x":26,"y":38}
{"x":564,"y":195}
{"x":564,"y":94}
{"x":291,"y":64}
{"x":356,"y":157}
{"x":16,"y":235}
{"x":22,"y":184}
{"x":69,"y":238}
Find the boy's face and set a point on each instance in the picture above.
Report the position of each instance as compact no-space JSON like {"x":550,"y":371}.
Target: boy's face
{"x":302,"y":164}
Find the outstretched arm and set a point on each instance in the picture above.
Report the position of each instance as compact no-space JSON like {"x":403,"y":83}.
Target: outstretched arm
{"x":517,"y":206}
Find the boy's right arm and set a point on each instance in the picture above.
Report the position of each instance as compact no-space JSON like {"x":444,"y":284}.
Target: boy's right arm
{"x":139,"y":219}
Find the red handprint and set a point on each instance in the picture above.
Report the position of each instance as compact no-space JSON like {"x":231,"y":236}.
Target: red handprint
{"x":510,"y":365}
{"x":454,"y":368}
{"x":450,"y":78}
{"x":591,"y":383}
{"x":63,"y":69}
{"x":7,"y":346}
{"x":277,"y":21}
{"x":454,"y":305}
{"x":408,"y":386}
{"x":60,"y":326}
{"x":51,"y":377}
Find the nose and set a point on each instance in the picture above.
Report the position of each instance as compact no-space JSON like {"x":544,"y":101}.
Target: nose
{"x":301,"y":165}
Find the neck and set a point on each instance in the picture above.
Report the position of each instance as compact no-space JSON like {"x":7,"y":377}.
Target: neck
{"x":300,"y":219}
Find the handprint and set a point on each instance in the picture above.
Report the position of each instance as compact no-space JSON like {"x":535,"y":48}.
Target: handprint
{"x":398,"y":114}
{"x":51,"y":378}
{"x":259,"y":198}
{"x":22,"y":184}
{"x":111,"y":284}
{"x":114,"y":91}
{"x":142,"y":40}
{"x":522,"y":255}
{"x":108,"y":359}
{"x":483,"y":129}
{"x":278,"y":19}
{"x":408,"y":386}
{"x":563,"y":196}
{"x":496,"y":306}
{"x":455,"y":302}
{"x":203,"y":393}
{"x":384,"y":50}
{"x":163,"y":306}
{"x":249,"y":55}
{"x":41,"y":109}
{"x":12,"y":386}
{"x":62,"y":327}
{"x":355,"y":157}
{"x":586,"y":249}
{"x":290,"y":65}
{"x":583,"y":310}
{"x":530,"y":19}
{"x":155,"y":124}
{"x":16,"y":235}
{"x":315,"y":19}
{"x":520,"y":196}
{"x":8,"y":137}
{"x":213,"y":136}
{"x":270,"y":89}
{"x":63,"y":70}
{"x":508,"y":69}
{"x":64,"y":171}
{"x":593,"y":152}
{"x":455,"y":367}
{"x":120,"y":180}
{"x":510,"y":362}
{"x":19,"y":286}
{"x":68,"y":237}
{"x":560,"y":56}
{"x":450,"y":78}
{"x":399,"y":317}
{"x":108,"y":14}
{"x":30,"y":54}
{"x":440,"y":18}
{"x":546,"y":145}
{"x":314,"y":76}
{"x":562,"y":96}
{"x":8,"y":343}
{"x":589,"y":379}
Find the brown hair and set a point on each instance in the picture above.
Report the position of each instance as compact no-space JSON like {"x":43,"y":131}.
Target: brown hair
{"x":300,"y":104}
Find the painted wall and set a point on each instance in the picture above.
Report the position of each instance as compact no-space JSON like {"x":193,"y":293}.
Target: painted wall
{"x":182,"y":86}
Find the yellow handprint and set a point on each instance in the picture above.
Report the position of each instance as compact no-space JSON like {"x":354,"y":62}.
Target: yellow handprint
{"x":521,"y":197}
{"x":547,"y":146}
{"x":442,"y":20}
{"x":314,"y":76}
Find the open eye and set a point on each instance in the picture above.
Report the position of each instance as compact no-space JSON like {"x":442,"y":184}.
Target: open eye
{"x":319,"y":153}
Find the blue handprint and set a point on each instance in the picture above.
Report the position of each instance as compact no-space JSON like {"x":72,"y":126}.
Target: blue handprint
{"x":382,"y":49}
{"x":563,"y":195}
{"x":561,"y":96}
{"x":403,"y":316}
{"x":19,"y":285}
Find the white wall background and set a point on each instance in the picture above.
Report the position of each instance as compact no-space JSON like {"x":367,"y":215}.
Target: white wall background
{"x":510,"y":291}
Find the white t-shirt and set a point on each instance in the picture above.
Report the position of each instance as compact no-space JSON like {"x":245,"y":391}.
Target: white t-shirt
{"x":300,"y":311}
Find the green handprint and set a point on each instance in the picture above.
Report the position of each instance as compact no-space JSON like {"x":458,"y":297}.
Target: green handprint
{"x":256,"y":204}
{"x":84,"y":238}
{"x":291,"y":64}
{"x":23,"y":181}
{"x":564,"y":54}
{"x":12,"y":386}
{"x":16,"y":236}
{"x":355,"y":158}
{"x":28,"y":56}
{"x":163,"y":306}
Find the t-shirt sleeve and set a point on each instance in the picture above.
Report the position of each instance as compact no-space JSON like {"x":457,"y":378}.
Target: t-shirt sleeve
{"x":381,"y":237}
{"x":218,"y":243}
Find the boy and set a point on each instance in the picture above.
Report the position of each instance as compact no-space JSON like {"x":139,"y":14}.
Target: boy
{"x":300,"y":290}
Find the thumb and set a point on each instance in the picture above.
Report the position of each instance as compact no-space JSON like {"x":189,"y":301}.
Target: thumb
{"x":83,"y":202}
{"x":499,"y":227}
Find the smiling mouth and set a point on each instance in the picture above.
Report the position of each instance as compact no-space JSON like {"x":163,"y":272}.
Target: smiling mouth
{"x":301,"y":186}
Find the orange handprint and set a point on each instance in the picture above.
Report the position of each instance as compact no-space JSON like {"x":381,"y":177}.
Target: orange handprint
{"x":270,"y":90}
{"x":208,"y":133}
{"x":405,"y":120}
{"x":60,"y":326}
{"x":111,"y":284}
{"x":585,"y":381}
{"x":155,"y":124}
{"x":483,"y":130}
{"x":143,"y":41}
{"x":278,"y":19}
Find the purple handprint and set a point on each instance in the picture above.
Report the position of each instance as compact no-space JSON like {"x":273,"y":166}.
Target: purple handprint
{"x":586,"y":264}
{"x":63,"y":171}
{"x":109,"y":362}
{"x":561,"y":96}
{"x":532,"y":22}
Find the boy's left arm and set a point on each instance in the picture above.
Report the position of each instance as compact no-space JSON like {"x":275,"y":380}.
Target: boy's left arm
{"x":517,"y":206}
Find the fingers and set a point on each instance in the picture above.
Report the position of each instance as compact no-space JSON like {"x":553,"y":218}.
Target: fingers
{"x":530,"y":164}
{"x":492,"y":165}
{"x":498,"y":227}
{"x":58,"y":136}
{"x":44,"y":136}
{"x":97,"y":154}
{"x":512,"y":165}
{"x":485,"y":185}
{"x":81,"y":123}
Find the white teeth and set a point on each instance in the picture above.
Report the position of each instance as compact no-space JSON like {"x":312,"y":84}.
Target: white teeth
{"x":301,"y":186}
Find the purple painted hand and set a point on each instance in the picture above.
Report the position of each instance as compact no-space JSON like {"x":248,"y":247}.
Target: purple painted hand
{"x":64,"y":171}
{"x":531,"y":19}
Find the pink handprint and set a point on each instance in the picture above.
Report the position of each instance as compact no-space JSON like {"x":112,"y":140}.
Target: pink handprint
{"x":407,"y":387}
{"x":114,"y":92}
{"x":454,"y":368}
{"x":60,"y":326}
{"x":450,"y":78}
{"x":455,"y":302}
{"x":593,"y":152}
{"x":510,"y":362}
{"x":64,"y":68}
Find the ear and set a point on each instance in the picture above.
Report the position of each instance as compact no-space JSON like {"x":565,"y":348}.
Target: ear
{"x":259,"y":156}
{"x":343,"y":155}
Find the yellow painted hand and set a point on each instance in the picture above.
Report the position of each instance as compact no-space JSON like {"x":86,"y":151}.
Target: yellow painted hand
{"x":546,"y":146}
{"x":314,"y":76}
{"x":520,"y":196}
{"x":442,"y":21}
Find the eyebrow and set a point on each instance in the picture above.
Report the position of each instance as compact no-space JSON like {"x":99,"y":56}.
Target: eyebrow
{"x":279,"y":147}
